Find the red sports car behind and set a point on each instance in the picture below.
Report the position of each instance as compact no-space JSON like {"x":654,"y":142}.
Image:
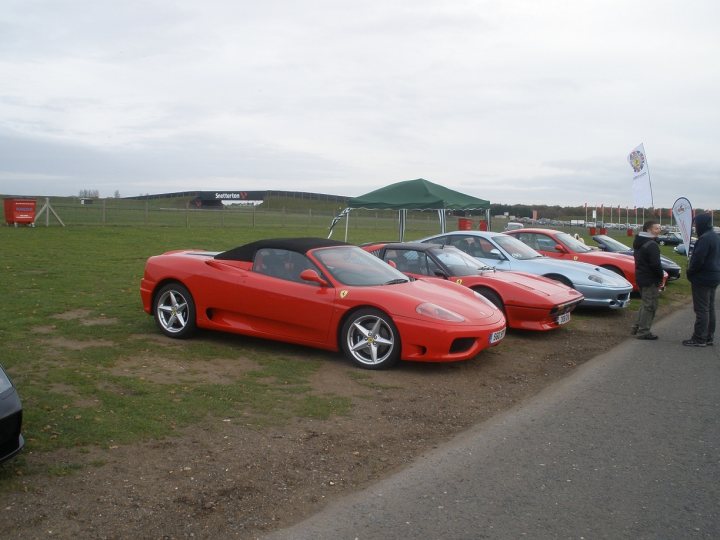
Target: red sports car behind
{"x":529,"y":302}
{"x":320,"y":293}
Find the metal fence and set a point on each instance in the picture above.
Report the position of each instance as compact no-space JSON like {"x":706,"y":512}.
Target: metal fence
{"x":112,"y":212}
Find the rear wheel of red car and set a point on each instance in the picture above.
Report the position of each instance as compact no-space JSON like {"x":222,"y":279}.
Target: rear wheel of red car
{"x":370,"y":339}
{"x":492,"y":296}
{"x":174,"y":311}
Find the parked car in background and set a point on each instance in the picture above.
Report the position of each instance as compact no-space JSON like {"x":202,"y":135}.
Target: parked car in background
{"x":529,"y":302}
{"x":606,"y":243}
{"x":319,"y":293}
{"x":682,"y":250}
{"x":600,"y":287}
{"x":11,"y":439}
{"x":670,"y":239}
{"x":561,"y":245}
{"x":511,"y":226}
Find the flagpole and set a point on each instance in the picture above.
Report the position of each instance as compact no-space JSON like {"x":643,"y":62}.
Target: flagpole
{"x":647,"y":164}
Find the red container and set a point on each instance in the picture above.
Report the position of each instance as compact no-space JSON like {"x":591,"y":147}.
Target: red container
{"x":629,"y":232}
{"x":483,"y":225}
{"x":464,"y":224}
{"x":603,"y":230}
{"x":20,"y":211}
{"x":591,"y":230}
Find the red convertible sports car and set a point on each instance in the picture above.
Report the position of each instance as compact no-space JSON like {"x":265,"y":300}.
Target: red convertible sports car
{"x":561,"y":245}
{"x":529,"y":302}
{"x":320,"y":293}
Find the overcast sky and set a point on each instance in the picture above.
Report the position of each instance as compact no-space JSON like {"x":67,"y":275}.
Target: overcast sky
{"x":534,"y":102}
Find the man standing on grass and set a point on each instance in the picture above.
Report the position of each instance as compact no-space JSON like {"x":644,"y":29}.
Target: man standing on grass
{"x":704,"y":275}
{"x":649,"y":277}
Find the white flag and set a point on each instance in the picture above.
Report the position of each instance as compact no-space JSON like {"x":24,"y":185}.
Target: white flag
{"x":683,"y":213}
{"x":641,"y":188}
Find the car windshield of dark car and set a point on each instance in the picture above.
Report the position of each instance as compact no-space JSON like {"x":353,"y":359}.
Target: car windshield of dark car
{"x":351,"y":265}
{"x":458,"y":262}
{"x":515,"y":248}
{"x":573,"y":244}
{"x":612,"y":244}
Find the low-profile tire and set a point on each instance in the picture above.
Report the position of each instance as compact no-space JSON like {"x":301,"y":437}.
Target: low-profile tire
{"x":492,"y":296}
{"x":613,"y":269}
{"x":562,"y":279}
{"x":370,"y":339}
{"x":174,"y":311}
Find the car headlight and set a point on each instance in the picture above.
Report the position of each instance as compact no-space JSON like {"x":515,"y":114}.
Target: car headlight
{"x":434,"y":311}
{"x":5,"y":383}
{"x":596,"y":278}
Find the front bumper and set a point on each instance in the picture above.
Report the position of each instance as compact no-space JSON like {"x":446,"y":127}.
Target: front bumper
{"x":610,"y":297}
{"x":425,"y":341}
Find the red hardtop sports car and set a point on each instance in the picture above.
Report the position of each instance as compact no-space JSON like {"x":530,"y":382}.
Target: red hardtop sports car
{"x":320,"y":293}
{"x":561,"y":245}
{"x":528,"y":301}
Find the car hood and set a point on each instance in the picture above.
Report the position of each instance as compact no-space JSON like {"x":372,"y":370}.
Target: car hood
{"x":667,"y":262}
{"x":529,"y":282}
{"x":402,"y":299}
{"x":578,"y":272}
{"x":597,"y":257}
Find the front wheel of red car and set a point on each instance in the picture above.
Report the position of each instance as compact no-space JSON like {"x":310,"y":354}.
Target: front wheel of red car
{"x":174,"y":311}
{"x":370,"y":339}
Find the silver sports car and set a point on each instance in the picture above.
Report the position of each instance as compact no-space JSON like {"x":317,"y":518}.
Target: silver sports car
{"x":600,"y":287}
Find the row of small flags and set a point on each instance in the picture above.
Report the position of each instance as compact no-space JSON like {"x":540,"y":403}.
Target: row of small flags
{"x":651,"y":211}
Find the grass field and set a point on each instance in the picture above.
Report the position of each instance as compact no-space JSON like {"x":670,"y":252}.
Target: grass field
{"x":72,"y":318}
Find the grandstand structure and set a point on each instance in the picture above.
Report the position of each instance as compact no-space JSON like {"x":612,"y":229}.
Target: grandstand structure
{"x":214,"y":199}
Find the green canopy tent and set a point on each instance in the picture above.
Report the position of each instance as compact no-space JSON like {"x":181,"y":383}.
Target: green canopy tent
{"x":417,"y":194}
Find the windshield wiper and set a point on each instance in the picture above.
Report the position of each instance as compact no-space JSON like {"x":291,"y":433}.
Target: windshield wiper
{"x":396,"y":281}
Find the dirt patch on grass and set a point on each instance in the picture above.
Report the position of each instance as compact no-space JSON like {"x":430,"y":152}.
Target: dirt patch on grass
{"x":170,"y":370}
{"x":224,"y":478}
{"x":99,"y":321}
{"x":73,"y":315}
{"x":76,"y":345}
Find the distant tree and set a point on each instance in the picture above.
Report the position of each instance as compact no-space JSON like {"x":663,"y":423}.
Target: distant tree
{"x":89,"y":194}
{"x":117,"y":194}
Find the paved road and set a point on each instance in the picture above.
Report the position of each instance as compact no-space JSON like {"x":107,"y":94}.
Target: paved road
{"x":627,"y":447}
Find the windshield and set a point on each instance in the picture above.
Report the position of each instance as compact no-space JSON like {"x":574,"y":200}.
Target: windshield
{"x":458,"y":262}
{"x":515,"y":248}
{"x":573,"y":244}
{"x":351,"y":265}
{"x":612,"y":244}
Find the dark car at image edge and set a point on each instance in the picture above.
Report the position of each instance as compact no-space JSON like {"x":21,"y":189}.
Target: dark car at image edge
{"x":11,"y":439}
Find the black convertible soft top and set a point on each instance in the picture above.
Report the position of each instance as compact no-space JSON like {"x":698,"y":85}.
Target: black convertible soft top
{"x":301,"y":245}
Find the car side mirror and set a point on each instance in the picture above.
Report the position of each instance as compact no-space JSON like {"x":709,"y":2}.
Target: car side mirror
{"x":495,"y":252}
{"x":312,"y":276}
{"x":560,"y":249}
{"x":392,"y":263}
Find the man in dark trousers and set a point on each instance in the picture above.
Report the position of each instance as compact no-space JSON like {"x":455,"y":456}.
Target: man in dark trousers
{"x":649,"y":277}
{"x":704,"y":275}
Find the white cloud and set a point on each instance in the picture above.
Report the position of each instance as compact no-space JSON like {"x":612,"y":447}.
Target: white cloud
{"x":516,"y":101}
